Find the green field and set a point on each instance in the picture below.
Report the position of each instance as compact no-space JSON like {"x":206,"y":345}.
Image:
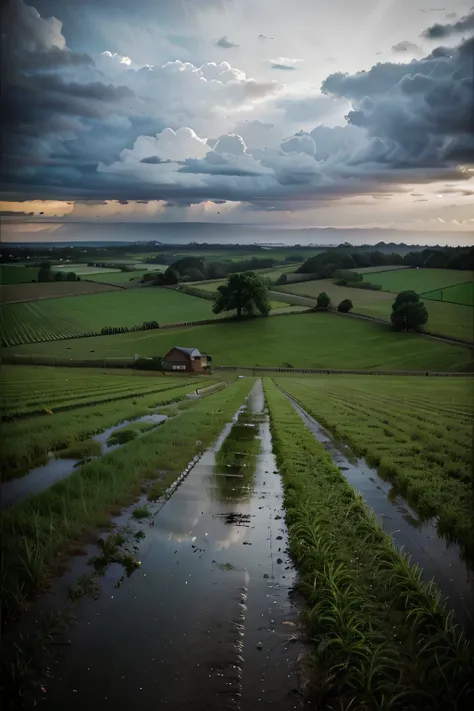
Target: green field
{"x":17,"y":274}
{"x":419,"y":280}
{"x":80,"y":402}
{"x":373,"y":270}
{"x":380,"y":635}
{"x":58,"y":318}
{"x":31,"y":390}
{"x":313,"y":340}
{"x":458,"y":294}
{"x":121,"y":278}
{"x":83,"y":269}
{"x":444,"y":319}
{"x":418,"y":434}
{"x":82,"y":502}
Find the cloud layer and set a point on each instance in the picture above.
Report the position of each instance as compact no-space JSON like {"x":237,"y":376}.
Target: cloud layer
{"x":85,"y":125}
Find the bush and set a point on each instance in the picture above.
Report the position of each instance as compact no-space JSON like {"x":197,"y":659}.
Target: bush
{"x":345,"y":306}
{"x":148,"y":363}
{"x":323,"y":301}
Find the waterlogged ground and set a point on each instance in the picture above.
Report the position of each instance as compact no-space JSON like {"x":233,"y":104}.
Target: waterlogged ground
{"x":42,"y":477}
{"x":208,"y":620}
{"x":439,"y":559}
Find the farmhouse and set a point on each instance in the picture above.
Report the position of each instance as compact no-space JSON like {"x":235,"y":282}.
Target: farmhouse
{"x":186,"y":359}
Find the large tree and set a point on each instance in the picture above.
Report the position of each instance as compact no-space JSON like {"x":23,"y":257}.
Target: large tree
{"x":245,"y":293}
{"x":408,"y":312}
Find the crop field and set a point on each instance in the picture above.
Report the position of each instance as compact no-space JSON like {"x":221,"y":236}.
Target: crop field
{"x":83,"y":269}
{"x":444,"y":319}
{"x":417,"y":433}
{"x":27,"y":441}
{"x":64,"y":318}
{"x":312,"y":340}
{"x":457,"y":294}
{"x":41,"y":390}
{"x":368,"y":611}
{"x":121,"y":278}
{"x":420,"y":280}
{"x":19,"y":293}
{"x":373,"y":270}
{"x":83,"y":501}
{"x":17,"y":274}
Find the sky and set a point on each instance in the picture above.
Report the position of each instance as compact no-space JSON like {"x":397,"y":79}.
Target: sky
{"x":348,"y":114}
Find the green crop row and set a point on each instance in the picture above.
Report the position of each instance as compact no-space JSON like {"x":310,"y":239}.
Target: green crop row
{"x":382,"y":638}
{"x":26,"y":443}
{"x":419,"y":436}
{"x":40,"y":531}
{"x":65,"y":390}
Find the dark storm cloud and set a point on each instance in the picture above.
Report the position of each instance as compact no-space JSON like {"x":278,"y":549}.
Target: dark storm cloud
{"x":419,"y":113}
{"x":70,"y":131}
{"x":284,"y":67}
{"x":155,"y":160}
{"x":406,"y":46}
{"x":225,"y":43}
{"x":438,"y":31}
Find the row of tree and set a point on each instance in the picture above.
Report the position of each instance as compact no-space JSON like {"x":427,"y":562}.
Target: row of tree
{"x":46,"y":274}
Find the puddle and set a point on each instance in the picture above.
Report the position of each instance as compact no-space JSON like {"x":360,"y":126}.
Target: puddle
{"x":42,"y":477}
{"x":208,"y":620}
{"x":438,"y":559}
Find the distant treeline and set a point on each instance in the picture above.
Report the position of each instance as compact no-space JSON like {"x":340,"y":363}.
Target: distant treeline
{"x":107,"y":253}
{"x":46,"y":273}
{"x":195,"y":269}
{"x":326,"y":264}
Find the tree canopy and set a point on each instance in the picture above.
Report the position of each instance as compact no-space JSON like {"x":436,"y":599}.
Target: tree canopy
{"x":245,"y":293}
{"x":408,"y":312}
{"x":323,"y":301}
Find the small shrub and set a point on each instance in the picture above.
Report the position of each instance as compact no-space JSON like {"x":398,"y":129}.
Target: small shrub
{"x":345,"y":306}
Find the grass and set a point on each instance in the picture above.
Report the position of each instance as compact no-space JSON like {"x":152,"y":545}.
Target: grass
{"x":385,"y":268}
{"x":313,"y":340}
{"x":17,"y":274}
{"x":81,"y":450}
{"x":420,"y":280}
{"x":27,"y":391}
{"x":38,"y":533}
{"x":381,"y":637}
{"x":70,"y":316}
{"x":83,"y":269}
{"x":25,"y":443}
{"x":417,"y":433}
{"x":20,"y":293}
{"x":121,"y":278}
{"x":458,"y":294}
{"x":444,"y":319}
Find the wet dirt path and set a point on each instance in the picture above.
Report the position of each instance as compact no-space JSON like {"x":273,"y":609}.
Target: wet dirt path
{"x":438,"y":559}
{"x":208,"y":621}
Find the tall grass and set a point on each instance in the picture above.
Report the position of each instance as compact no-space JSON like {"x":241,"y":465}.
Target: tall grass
{"x":26,"y":442}
{"x":38,"y":533}
{"x":382,"y":639}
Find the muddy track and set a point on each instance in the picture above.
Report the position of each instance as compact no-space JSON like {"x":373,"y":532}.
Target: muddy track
{"x":208,"y":621}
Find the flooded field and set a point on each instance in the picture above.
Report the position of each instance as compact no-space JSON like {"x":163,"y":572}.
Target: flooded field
{"x":57,"y":468}
{"x":207,"y":620}
{"x":438,"y":558}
